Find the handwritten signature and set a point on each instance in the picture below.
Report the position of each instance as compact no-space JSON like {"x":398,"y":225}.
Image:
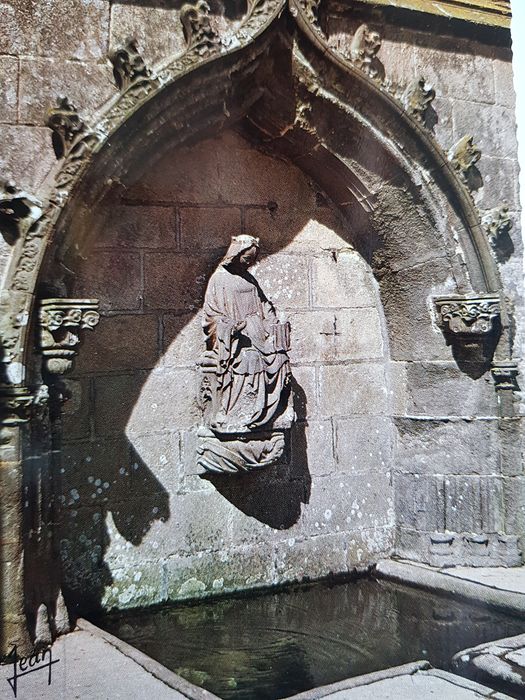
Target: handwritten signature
{"x":23,"y":665}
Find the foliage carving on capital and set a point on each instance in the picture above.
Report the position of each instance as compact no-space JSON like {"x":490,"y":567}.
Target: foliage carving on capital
{"x":128,"y":65}
{"x":417,"y":98}
{"x":16,"y":404}
{"x":60,"y":323}
{"x":18,"y":211}
{"x":472,"y":316}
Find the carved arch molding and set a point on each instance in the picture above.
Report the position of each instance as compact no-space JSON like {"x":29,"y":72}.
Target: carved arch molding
{"x":275,"y":73}
{"x":232,"y":72}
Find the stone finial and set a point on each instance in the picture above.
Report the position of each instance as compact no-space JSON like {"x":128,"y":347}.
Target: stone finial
{"x":18,"y":211}
{"x":363,"y":51}
{"x":311,"y":8}
{"x":496,"y":223}
{"x":463,"y":157}
{"x":472,"y":316}
{"x":417,"y":98}
{"x":198,"y":32}
{"x":128,"y":65}
{"x":66,"y":125}
{"x":505,"y":373}
{"x":61,"y":321}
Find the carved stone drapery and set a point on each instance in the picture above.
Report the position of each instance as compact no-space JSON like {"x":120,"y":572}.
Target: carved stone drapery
{"x":245,"y":390}
{"x":128,"y":65}
{"x":60,"y":322}
{"x":18,"y":211}
{"x":468,"y":316}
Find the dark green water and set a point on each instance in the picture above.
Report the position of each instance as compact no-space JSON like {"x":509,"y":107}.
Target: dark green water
{"x":276,"y":644}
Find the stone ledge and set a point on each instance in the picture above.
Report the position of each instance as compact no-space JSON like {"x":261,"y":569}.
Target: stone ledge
{"x":446,"y":581}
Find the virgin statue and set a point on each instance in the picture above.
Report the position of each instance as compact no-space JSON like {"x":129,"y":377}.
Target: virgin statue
{"x":245,"y":389}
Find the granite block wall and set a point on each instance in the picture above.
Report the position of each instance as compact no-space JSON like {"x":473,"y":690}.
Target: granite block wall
{"x":139,"y":523}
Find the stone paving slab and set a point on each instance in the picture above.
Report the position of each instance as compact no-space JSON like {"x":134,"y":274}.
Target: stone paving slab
{"x":501,"y":588}
{"x":90,"y":664}
{"x":500,"y":664}
{"x":414,"y":681}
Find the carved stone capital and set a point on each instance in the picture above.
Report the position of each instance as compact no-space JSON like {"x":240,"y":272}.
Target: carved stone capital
{"x":472,"y":316}
{"x":128,"y":65}
{"x":60,"y":323}
{"x":200,"y":36}
{"x":363,"y":52}
{"x":505,"y":375}
{"x":496,"y":223}
{"x":463,"y":157}
{"x":417,"y":98}
{"x":16,"y":404}
{"x":66,"y":125}
{"x":18,"y":211}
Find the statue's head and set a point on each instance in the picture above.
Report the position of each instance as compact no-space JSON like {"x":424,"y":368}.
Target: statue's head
{"x":243,"y":251}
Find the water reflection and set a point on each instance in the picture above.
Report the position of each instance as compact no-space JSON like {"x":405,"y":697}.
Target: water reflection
{"x":277,"y":644}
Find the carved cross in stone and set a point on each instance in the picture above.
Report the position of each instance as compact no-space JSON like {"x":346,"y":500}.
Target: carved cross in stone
{"x":329,"y":328}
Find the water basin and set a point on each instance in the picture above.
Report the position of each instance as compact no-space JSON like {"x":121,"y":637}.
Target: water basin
{"x":276,"y":644}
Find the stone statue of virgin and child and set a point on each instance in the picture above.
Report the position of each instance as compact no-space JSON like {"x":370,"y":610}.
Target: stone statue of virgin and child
{"x":245,"y":389}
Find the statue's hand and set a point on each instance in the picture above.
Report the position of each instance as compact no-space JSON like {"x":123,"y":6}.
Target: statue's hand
{"x":239,"y":326}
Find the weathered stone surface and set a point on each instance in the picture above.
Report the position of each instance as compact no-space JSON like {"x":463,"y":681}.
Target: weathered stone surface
{"x":504,"y":82}
{"x":209,"y":574}
{"x":77,"y":409}
{"x":140,"y":586}
{"x":363,"y":444}
{"x":285,"y":279}
{"x":500,"y":183}
{"x":157,"y":29}
{"x":448,"y":70}
{"x":312,"y":558}
{"x":42,"y":28}
{"x":95,"y":473}
{"x":123,"y":342}
{"x":342,"y":280}
{"x":406,"y":297}
{"x":29,"y":166}
{"x":115,"y":397}
{"x":174,"y":281}
{"x":87,"y":85}
{"x":443,"y":129}
{"x":137,"y":226}
{"x":166,"y":401}
{"x":157,"y":455}
{"x":341,"y":501}
{"x":346,"y":390}
{"x":115,"y":280}
{"x":441,"y":389}
{"x":182,"y":339}
{"x":9,"y":81}
{"x":447,"y":447}
{"x":203,"y":228}
{"x":495,"y":125}
{"x":320,"y":448}
{"x":340,"y":334}
{"x":420,"y":501}
{"x":474,"y":504}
